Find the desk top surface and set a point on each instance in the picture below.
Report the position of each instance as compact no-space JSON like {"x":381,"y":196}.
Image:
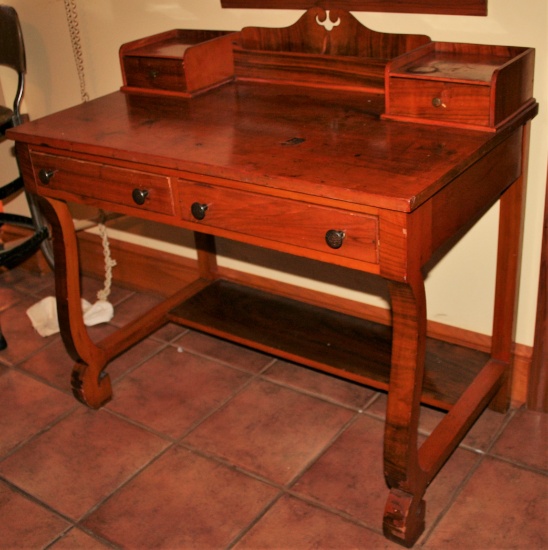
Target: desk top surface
{"x":332,"y":145}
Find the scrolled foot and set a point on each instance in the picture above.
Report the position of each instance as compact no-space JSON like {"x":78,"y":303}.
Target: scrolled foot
{"x":403,"y":520}
{"x":90,"y":388}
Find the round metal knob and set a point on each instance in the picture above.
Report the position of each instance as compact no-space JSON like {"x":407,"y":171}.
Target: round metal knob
{"x":437,"y":102}
{"x":198,"y":210}
{"x":139,"y":196}
{"x":45,"y":175}
{"x":335,"y":238}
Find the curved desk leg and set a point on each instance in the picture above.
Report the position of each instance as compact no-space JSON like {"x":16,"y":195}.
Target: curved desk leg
{"x":404,"y":512}
{"x":89,"y":384}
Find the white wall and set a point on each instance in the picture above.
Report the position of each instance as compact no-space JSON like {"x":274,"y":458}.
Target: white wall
{"x":460,"y":288}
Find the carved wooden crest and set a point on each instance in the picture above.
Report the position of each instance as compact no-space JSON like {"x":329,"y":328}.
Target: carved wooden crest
{"x":330,"y":32}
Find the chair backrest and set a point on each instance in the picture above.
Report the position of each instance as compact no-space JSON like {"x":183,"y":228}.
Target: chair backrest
{"x":12,"y":48}
{"x":12,"y":54}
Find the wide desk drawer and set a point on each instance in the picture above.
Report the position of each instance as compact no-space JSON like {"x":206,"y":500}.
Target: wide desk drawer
{"x":290,"y":222}
{"x":102,"y":182}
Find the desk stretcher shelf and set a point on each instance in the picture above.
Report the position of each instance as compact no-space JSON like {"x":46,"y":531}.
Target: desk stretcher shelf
{"x":333,"y":342}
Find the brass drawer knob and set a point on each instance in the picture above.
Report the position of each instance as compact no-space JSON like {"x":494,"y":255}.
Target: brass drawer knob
{"x":45,"y":175}
{"x":335,"y":238}
{"x":139,"y":196}
{"x":198,"y":210}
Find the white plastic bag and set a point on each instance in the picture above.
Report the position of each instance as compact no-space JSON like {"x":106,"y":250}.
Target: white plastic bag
{"x":43,"y":315}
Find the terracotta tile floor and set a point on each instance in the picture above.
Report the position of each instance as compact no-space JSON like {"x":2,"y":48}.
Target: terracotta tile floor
{"x":207,"y":445}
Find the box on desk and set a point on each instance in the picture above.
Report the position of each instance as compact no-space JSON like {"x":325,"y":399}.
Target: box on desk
{"x":177,"y":62}
{"x":465,"y":85}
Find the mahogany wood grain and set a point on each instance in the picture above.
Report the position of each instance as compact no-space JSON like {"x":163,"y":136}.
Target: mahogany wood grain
{"x":512,"y":204}
{"x":336,"y":34}
{"x":346,"y":55}
{"x":405,"y":508}
{"x":449,"y":7}
{"x":348,"y":159}
{"x":299,"y":224}
{"x":438,"y":447}
{"x":88,"y":383}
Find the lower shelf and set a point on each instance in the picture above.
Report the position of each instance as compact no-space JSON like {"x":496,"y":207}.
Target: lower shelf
{"x":326,"y":340}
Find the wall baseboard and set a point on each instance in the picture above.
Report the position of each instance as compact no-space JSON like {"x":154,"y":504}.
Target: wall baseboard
{"x":147,"y":269}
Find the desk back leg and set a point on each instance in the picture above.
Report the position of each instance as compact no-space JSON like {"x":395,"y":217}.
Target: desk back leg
{"x":507,"y":277}
{"x":207,"y":256}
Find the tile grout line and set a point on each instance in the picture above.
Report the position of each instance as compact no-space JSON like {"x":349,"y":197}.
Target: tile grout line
{"x":482,"y":456}
{"x":245,"y":530}
{"x":37,"y":501}
{"x":283,"y":489}
{"x":520,"y":465}
{"x":41,"y":432}
{"x":92,"y":534}
{"x":122,"y":485}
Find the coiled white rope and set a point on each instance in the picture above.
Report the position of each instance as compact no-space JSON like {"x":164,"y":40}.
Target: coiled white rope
{"x":103,"y":294}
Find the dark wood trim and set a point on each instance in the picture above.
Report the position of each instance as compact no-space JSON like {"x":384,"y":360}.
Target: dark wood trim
{"x":537,"y":397}
{"x":441,"y":7}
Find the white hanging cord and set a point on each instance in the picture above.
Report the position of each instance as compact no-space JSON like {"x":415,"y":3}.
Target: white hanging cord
{"x":103,"y":294}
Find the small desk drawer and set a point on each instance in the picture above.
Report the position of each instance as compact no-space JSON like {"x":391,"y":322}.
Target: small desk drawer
{"x":103,"y":183}
{"x":441,"y":101}
{"x":154,"y":73}
{"x":181,"y":62}
{"x":462,"y":85}
{"x":329,"y":230}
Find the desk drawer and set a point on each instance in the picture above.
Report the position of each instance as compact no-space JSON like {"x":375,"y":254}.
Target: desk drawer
{"x":329,"y":230}
{"x":154,"y":73}
{"x":441,"y":101}
{"x":102,"y":183}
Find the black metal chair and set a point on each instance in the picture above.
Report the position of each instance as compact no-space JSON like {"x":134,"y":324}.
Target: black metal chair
{"x":12,"y":55}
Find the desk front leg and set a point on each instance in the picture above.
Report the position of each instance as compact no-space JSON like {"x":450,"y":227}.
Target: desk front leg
{"x":405,"y":508}
{"x":89,"y":384}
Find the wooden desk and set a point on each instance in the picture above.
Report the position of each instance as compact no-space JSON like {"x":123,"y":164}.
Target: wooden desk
{"x":316,"y":173}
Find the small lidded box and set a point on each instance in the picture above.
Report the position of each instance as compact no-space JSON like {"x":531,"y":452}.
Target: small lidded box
{"x":182,"y":62}
{"x":465,"y":85}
